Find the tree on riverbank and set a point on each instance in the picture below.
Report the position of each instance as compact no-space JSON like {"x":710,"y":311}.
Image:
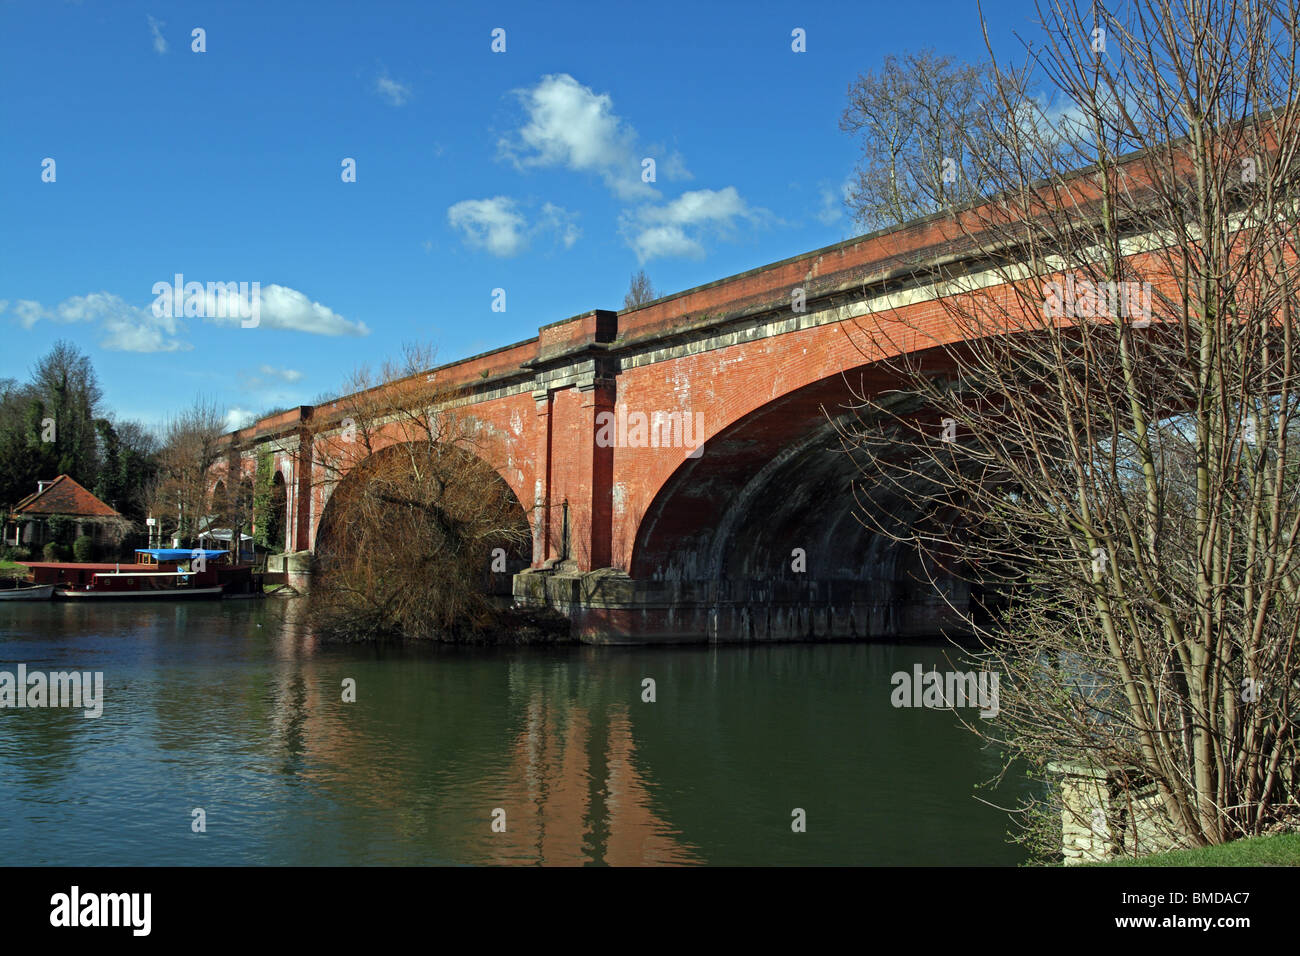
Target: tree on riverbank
{"x":1111,"y":451}
{"x":418,"y":520}
{"x":179,"y":496}
{"x":55,"y":423}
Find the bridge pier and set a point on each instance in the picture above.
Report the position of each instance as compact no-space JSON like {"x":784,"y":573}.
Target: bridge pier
{"x":293,"y":568}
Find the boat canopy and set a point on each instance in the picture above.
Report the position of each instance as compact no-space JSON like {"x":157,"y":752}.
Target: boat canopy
{"x":224,"y":534}
{"x":181,"y":554}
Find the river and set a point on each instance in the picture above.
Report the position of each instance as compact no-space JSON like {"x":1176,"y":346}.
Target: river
{"x":454,"y":755}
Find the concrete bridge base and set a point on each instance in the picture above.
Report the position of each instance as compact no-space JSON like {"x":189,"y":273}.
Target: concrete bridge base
{"x":609,"y":607}
{"x":295,"y":567}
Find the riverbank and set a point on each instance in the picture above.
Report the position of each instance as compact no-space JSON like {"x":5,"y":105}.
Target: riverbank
{"x":510,"y":627}
{"x":1282,"y":849}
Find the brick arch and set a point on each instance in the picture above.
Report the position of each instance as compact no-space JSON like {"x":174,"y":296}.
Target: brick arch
{"x":724,"y":527}
{"x":505,"y":448}
{"x":360,"y":471}
{"x":755,"y":420}
{"x":780,"y":380}
{"x":704,"y":499}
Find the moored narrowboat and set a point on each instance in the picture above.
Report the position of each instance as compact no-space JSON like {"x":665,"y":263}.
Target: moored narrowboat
{"x":158,"y":574}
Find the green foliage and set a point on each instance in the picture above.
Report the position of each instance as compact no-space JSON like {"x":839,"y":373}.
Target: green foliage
{"x":83,"y":549}
{"x":60,"y":529}
{"x":24,"y":458}
{"x":53,"y":551}
{"x":109,"y":488}
{"x":54,"y":424}
{"x":15,"y":553}
{"x":262,"y":492}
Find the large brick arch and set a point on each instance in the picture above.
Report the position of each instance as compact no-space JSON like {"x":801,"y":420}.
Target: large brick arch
{"x":763,"y":399}
{"x":360,"y":472}
{"x":500,"y":433}
{"x":776,"y":480}
{"x":767,"y":517}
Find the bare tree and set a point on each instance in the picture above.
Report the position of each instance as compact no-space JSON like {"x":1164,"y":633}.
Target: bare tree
{"x":639,"y":291}
{"x":418,"y":518}
{"x":930,"y":133}
{"x":191,"y":444}
{"x":1107,"y":452}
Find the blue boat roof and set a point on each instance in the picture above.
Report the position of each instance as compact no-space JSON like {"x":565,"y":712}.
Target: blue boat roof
{"x":180,"y":554}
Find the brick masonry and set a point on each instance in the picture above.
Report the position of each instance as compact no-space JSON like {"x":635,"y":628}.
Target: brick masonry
{"x":661,"y":543}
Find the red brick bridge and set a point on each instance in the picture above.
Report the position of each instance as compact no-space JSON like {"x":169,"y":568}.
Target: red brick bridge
{"x":677,"y":462}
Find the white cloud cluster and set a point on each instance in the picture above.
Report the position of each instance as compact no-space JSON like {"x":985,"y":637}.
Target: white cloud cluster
{"x":283,"y":374}
{"x":833,"y":202}
{"x":492,"y":224}
{"x":572,"y":126}
{"x":501,"y":228}
{"x":130,"y":328}
{"x":395,"y":92}
{"x":127,"y":328}
{"x":678,"y":227}
{"x":237,"y":418}
{"x":283,"y":308}
{"x":267,"y":384}
{"x":569,"y":125}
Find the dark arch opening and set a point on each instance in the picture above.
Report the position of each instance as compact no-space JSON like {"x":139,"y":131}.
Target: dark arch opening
{"x":763,"y":525}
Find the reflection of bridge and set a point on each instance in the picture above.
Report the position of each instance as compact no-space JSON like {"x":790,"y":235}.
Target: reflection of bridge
{"x":673,"y":457}
{"x":561,"y":757}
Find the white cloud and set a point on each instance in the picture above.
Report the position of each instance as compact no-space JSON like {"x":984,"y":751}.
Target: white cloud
{"x":572,"y":126}
{"x":832,"y":203}
{"x":699,"y":206}
{"x":155,"y":28}
{"x":563,"y":222}
{"x":127,"y":336}
{"x":491,"y":224}
{"x":266,"y":385}
{"x":283,"y":308}
{"x":238,"y":418}
{"x":498,"y":225}
{"x":665,"y":242}
{"x":397,"y":93}
{"x":677,"y":228}
{"x":283,"y":374}
{"x":128,"y":328}
{"x":29,"y":312}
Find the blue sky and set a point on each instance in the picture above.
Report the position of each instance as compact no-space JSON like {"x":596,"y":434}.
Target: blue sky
{"x":475,"y":170}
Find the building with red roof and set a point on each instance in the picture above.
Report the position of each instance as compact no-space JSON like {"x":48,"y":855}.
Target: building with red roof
{"x":28,"y":524}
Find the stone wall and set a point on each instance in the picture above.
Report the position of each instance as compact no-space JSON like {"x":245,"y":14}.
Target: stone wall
{"x":1100,"y":820}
